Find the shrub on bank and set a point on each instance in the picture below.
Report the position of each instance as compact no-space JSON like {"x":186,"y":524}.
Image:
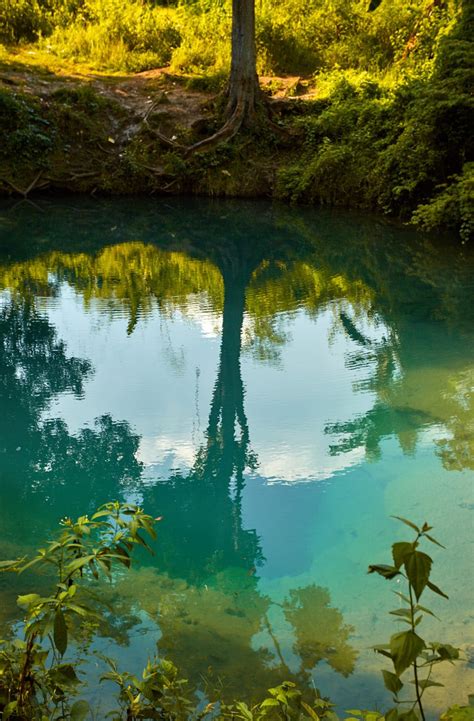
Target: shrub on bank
{"x":403,"y":148}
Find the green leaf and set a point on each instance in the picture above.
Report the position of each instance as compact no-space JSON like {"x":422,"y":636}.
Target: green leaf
{"x":80,"y":710}
{"x":28,"y":600}
{"x":77,"y":564}
{"x":100,"y":514}
{"x":382,"y":649}
{"x":405,"y":648}
{"x":60,"y":632}
{"x":459,"y":713}
{"x":404,"y":612}
{"x":83,"y":611}
{"x":310,"y":711}
{"x":9,"y":709}
{"x":105,"y":566}
{"x":10,"y":565}
{"x":387,"y":572}
{"x":244,"y":710}
{"x":425,"y":610}
{"x":391,"y":715}
{"x":436,"y":589}
{"x":426,"y":683}
{"x":65,"y":675}
{"x":446,"y":651}
{"x":418,"y":567}
{"x":433,"y":540}
{"x":269,"y":702}
{"x":372,"y":716}
{"x":407,"y":523}
{"x":392,"y":682}
{"x":400,"y":551}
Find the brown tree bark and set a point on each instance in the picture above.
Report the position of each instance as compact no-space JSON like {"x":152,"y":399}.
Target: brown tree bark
{"x":243,"y":90}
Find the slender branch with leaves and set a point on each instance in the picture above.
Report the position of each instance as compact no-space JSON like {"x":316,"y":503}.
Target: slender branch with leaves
{"x":34,"y":673}
{"x":407,"y":649}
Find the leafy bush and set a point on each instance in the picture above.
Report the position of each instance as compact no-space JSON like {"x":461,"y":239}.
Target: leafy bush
{"x":452,"y":207}
{"x":21,"y":20}
{"x":397,"y":147}
{"x":26,"y":133}
{"x":408,"y":650}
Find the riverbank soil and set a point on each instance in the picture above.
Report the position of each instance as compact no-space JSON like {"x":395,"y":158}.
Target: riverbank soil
{"x":69,"y":129}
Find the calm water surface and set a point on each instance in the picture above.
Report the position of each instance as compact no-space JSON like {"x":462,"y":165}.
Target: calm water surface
{"x":276,"y":384}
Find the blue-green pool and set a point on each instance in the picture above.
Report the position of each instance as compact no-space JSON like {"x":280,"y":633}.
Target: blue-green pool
{"x":276,"y":383}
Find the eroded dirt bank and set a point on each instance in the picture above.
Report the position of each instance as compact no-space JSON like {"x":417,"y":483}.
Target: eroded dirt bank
{"x":127,"y":134}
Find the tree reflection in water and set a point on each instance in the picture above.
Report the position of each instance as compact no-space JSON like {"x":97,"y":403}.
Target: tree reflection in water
{"x":206,"y":596}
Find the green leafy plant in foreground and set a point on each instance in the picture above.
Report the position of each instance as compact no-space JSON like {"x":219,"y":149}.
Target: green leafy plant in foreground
{"x":407,"y":649}
{"x":35,"y":679}
{"x":39,"y":682}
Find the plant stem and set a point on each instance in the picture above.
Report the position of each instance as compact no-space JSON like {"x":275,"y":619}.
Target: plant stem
{"x":415,"y":666}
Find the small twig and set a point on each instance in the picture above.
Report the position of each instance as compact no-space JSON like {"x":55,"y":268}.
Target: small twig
{"x":162,"y":138}
{"x":151,"y":168}
{"x":72,"y":177}
{"x":170,"y":185}
{"x":104,"y":150}
{"x":33,"y":184}
{"x":150,"y":110}
{"x":87,"y":174}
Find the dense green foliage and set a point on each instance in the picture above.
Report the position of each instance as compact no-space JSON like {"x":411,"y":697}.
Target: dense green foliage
{"x":293,"y":36}
{"x":396,"y":147}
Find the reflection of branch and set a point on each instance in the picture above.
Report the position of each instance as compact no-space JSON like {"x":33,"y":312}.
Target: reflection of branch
{"x":276,"y":643}
{"x":197,"y":418}
{"x":352,"y":331}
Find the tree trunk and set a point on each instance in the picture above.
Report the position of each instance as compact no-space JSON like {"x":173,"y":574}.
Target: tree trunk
{"x":244,"y":89}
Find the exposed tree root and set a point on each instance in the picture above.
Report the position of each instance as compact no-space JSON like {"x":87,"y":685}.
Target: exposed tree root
{"x":35,"y":184}
{"x":244,"y":114}
{"x":168,"y":142}
{"x":230,"y":128}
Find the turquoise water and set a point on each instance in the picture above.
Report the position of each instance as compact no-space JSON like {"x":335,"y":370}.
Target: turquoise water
{"x":276,"y":384}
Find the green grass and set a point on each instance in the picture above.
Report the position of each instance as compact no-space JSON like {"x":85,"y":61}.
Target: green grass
{"x":293,"y":36}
